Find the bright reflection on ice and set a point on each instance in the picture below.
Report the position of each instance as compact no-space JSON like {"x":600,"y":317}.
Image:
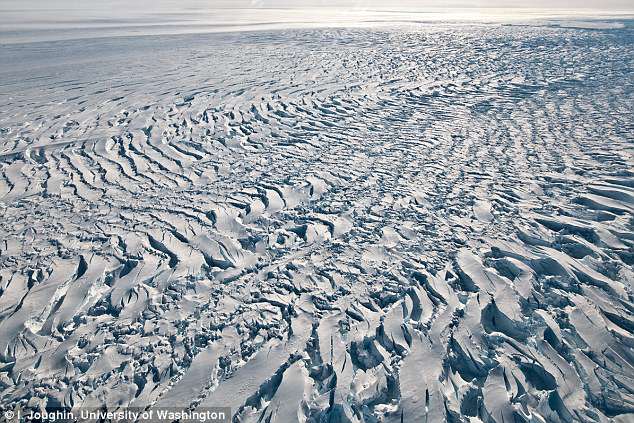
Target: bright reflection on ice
{"x":23,"y":25}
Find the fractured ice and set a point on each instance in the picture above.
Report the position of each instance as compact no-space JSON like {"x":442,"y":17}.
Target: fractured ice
{"x":421,"y":224}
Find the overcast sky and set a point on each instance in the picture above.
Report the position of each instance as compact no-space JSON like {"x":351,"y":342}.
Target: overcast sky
{"x":204,"y":4}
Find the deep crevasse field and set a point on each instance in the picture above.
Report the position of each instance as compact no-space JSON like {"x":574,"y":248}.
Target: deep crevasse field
{"x":429,"y":223}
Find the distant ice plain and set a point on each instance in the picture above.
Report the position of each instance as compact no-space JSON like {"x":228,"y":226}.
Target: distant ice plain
{"x":21,"y":24}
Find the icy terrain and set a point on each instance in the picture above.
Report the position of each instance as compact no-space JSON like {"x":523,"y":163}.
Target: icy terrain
{"x":422,"y":224}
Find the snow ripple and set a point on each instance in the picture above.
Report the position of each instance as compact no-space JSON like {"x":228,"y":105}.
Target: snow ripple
{"x":322,"y":225}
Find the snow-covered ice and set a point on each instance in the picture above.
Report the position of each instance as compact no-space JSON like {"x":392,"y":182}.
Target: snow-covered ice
{"x":400,"y":224}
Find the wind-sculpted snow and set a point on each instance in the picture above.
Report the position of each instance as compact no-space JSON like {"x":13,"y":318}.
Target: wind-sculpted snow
{"x":333,"y":225}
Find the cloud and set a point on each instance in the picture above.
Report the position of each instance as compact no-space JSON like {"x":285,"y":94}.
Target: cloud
{"x":168,"y":5}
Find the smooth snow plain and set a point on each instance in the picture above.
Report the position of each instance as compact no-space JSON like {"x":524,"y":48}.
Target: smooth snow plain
{"x":424,"y":223}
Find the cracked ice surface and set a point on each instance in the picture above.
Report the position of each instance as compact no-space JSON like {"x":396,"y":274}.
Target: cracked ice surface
{"x":321,"y":225}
